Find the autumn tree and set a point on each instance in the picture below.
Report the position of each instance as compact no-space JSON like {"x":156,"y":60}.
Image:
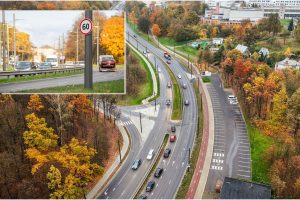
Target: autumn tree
{"x":156,"y":30}
{"x":35,"y":104}
{"x":297,"y":32}
{"x":112,"y":37}
{"x":294,"y":112}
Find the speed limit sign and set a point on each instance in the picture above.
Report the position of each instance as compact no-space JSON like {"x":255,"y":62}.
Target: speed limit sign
{"x":86,"y":26}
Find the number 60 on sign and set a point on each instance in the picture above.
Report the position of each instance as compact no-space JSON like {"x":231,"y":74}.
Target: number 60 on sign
{"x":86,"y":26}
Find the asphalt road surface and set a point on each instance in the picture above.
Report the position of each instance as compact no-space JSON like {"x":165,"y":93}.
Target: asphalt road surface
{"x":60,"y":81}
{"x":231,"y":152}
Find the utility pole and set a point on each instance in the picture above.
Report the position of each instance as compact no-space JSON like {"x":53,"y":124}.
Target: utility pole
{"x":88,"y":68}
{"x":155,"y":62}
{"x":63,"y":46}
{"x":141,"y":122}
{"x":3,"y":41}
{"x":15,"y":54}
{"x":58,"y":50}
{"x":77,"y":41}
{"x":119,"y":146}
{"x":97,"y":44}
{"x":7,"y":43}
{"x":155,"y":100}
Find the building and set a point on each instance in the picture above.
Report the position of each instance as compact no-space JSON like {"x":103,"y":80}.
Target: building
{"x":243,"y":49}
{"x":264,"y":51}
{"x":217,"y":41}
{"x":283,"y":11}
{"x":239,"y":189}
{"x":43,"y":51}
{"x":287,"y":63}
{"x":272,"y":3}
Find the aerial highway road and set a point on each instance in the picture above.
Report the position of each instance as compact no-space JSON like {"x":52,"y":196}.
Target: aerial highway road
{"x":60,"y":81}
{"x":231,"y":152}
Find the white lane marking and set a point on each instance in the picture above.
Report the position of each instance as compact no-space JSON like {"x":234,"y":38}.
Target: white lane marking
{"x":243,"y":175}
{"x":219,"y":154}
{"x":114,"y":189}
{"x":217,"y":161}
{"x":240,"y":170}
{"x":170,"y":182}
{"x":105,"y":193}
{"x":244,"y":154}
{"x":243,"y":166}
{"x":216,"y":167}
{"x":173,"y":163}
{"x":243,"y":162}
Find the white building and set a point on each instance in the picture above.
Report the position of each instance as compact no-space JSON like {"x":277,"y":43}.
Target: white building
{"x":44,"y":51}
{"x":287,"y":63}
{"x":243,"y":49}
{"x":277,"y":3}
{"x":217,"y":41}
{"x":264,"y":51}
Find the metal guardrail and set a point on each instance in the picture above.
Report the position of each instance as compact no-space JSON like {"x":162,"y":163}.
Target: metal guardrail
{"x":41,"y":71}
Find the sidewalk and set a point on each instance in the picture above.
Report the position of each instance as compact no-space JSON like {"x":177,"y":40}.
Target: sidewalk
{"x":92,"y":194}
{"x":152,"y":74}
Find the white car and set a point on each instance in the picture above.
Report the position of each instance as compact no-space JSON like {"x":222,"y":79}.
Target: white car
{"x":159,"y":70}
{"x":150,"y":154}
{"x":233,"y":102}
{"x":232,"y":97}
{"x":179,"y":76}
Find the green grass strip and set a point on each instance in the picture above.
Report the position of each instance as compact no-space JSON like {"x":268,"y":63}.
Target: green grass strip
{"x":100,"y":87}
{"x":39,"y":76}
{"x":185,"y":184}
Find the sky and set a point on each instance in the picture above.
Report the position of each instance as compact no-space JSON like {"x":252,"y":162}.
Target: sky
{"x":45,"y":27}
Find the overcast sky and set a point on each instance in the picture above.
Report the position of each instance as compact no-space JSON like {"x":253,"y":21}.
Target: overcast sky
{"x":45,"y":27}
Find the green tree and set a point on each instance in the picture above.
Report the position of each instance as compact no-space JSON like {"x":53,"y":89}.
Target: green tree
{"x":274,"y":24}
{"x":294,"y":111}
{"x":144,"y":24}
{"x":297,"y":32}
{"x":291,"y":25}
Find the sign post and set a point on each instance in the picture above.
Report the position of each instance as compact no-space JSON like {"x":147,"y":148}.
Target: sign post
{"x":86,"y":28}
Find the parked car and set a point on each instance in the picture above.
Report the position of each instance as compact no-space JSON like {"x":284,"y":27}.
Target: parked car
{"x":168,"y":102}
{"x":186,"y":102}
{"x":136,"y":164}
{"x":25,"y":66}
{"x":167,"y":153}
{"x":150,"y":154}
{"x":173,"y":128}
{"x":173,"y":138}
{"x":44,"y":66}
{"x":158,"y":172}
{"x":150,"y":186}
{"x":143,"y":196}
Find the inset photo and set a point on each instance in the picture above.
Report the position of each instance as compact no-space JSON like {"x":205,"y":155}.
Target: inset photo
{"x":62,"y":51}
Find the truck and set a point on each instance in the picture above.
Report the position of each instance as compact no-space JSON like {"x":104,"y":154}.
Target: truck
{"x":53,"y":59}
{"x":107,"y":63}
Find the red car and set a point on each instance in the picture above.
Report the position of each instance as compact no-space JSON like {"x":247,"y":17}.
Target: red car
{"x":106,"y":62}
{"x":172,"y":138}
{"x":169,"y":62}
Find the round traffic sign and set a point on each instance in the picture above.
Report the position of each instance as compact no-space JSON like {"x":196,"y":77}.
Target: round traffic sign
{"x":86,"y":26}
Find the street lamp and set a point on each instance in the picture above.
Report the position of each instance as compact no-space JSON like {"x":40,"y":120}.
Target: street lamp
{"x":97,"y":27}
{"x":14,"y":26}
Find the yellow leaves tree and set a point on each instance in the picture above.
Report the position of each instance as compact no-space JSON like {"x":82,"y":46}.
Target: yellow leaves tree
{"x":156,"y":30}
{"x":288,"y":52}
{"x":35,"y":103}
{"x":112,"y":37}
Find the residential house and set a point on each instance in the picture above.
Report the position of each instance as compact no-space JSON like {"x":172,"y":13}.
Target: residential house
{"x":287,"y":63}
{"x":264,"y":52}
{"x":217,"y":41}
{"x":243,"y":49}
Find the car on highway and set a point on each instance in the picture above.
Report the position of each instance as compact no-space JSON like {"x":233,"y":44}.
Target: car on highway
{"x":168,"y":102}
{"x":158,"y":172}
{"x":150,"y":154}
{"x":144,"y":52}
{"x":159,"y":70}
{"x":186,"y":102}
{"x":233,"y":102}
{"x":173,"y":138}
{"x":179,"y":76}
{"x":106,"y":62}
{"x":44,"y":66}
{"x":167,"y":153}
{"x":231,"y":97}
{"x":134,"y":36}
{"x":136,"y":164}
{"x":169,"y":84}
{"x":184,"y":86}
{"x":169,"y":62}
{"x":81,"y":63}
{"x":25,"y":66}
{"x":150,"y":186}
{"x":167,"y":55}
{"x":173,"y":128}
{"x":143,"y":196}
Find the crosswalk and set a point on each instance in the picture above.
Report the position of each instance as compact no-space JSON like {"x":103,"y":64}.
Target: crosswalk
{"x":126,"y":123}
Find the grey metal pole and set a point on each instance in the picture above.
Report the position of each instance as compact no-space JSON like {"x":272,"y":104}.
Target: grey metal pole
{"x":77,"y":41}
{"x":63,"y":46}
{"x":3,"y":41}
{"x":15,"y":54}
{"x":141,"y":123}
{"x":59,"y":50}
{"x":7,"y":35}
{"x":97,"y":45}
{"x":88,"y":69}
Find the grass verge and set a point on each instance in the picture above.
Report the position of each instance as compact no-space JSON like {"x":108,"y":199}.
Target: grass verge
{"x":206,"y":79}
{"x":39,"y":76}
{"x":145,"y":90}
{"x":259,"y":143}
{"x":100,"y":87}
{"x":188,"y":50}
{"x":186,"y":181}
{"x":171,"y":42}
{"x":153,"y":168}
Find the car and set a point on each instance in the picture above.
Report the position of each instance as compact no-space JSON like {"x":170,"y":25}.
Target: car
{"x":150,"y":154}
{"x":231,"y":97}
{"x":147,"y":51}
{"x":136,"y":164}
{"x":134,"y":36}
{"x":186,"y":102}
{"x":158,"y":172}
{"x":233,"y":102}
{"x":81,"y":63}
{"x":159,"y":70}
{"x":150,"y":186}
{"x":168,"y":102}
{"x":173,"y":138}
{"x":24,"y":66}
{"x":44,"y":66}
{"x":144,"y":52}
{"x":143,"y":196}
{"x":167,"y":55}
{"x":167,"y":153}
{"x":169,"y":62}
{"x":184,"y":86}
{"x":173,"y":128}
{"x":106,"y":62}
{"x":169,"y":85}
{"x":179,"y":76}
